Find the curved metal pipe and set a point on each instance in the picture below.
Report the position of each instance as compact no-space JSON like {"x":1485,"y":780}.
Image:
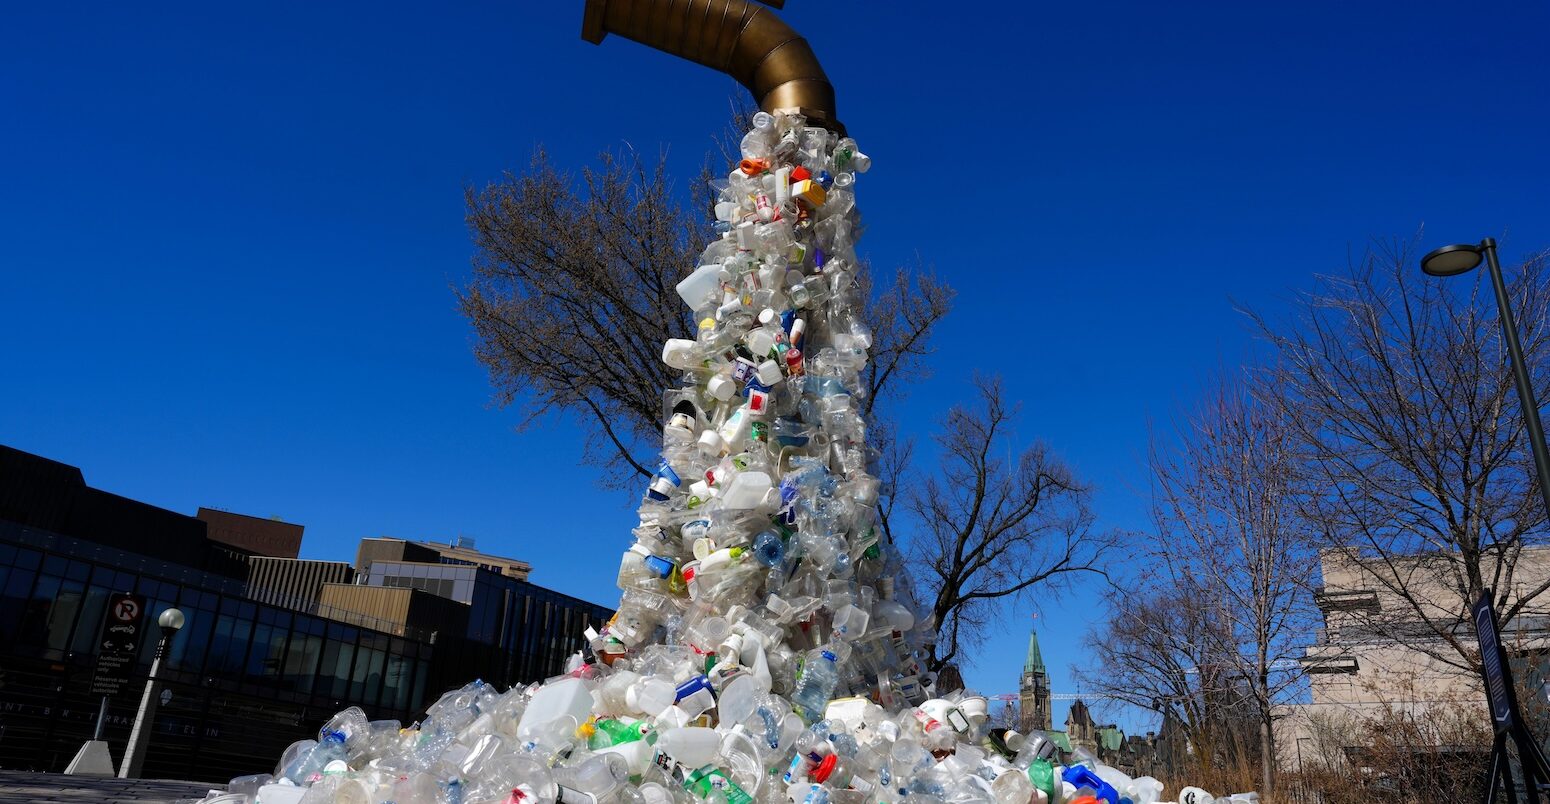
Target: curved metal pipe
{"x":743,"y":40}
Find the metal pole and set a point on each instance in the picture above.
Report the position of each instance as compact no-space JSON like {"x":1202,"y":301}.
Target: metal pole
{"x":102,"y":717}
{"x":145,"y":719}
{"x":1536,"y":431}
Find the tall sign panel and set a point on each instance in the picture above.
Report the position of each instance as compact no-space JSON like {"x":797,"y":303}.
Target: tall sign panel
{"x":123,"y":627}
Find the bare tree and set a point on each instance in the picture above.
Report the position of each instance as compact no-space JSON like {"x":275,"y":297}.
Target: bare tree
{"x":1398,"y":391}
{"x":1229,"y":528}
{"x":574,"y":291}
{"x":1008,"y":714}
{"x":1160,"y":650}
{"x":988,"y":528}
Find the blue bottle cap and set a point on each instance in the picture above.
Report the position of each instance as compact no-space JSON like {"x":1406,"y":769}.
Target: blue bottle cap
{"x":828,"y":655}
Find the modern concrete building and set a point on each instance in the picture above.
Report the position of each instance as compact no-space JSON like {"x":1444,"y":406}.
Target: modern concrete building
{"x":461,"y":549}
{"x":504,"y":611}
{"x":405,"y":612}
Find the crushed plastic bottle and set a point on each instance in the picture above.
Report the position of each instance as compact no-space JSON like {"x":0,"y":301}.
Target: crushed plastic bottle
{"x":759,"y":652}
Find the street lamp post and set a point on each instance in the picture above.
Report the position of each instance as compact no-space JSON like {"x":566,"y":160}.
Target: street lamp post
{"x":1506,"y":718}
{"x":145,"y":720}
{"x":1458,"y":259}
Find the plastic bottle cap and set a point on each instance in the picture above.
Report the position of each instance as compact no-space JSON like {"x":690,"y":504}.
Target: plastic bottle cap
{"x":828,"y":655}
{"x":825,"y":768}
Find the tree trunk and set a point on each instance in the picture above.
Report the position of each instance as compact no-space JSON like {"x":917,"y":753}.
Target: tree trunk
{"x":1266,"y":755}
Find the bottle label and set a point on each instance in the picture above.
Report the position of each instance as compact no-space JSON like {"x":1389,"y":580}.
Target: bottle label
{"x":709,"y":778}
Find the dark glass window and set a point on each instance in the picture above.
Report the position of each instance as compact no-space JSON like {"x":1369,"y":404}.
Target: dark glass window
{"x":28,"y":559}
{"x":34,"y":626}
{"x":267,"y":654}
{"x":301,"y":661}
{"x":90,"y":625}
{"x":68,"y":601}
{"x":55,"y":565}
{"x":188,"y":650}
{"x":366,"y":680}
{"x":229,"y":645}
{"x":396,"y":682}
{"x":417,"y":698}
{"x":338,"y":657}
{"x":14,"y":598}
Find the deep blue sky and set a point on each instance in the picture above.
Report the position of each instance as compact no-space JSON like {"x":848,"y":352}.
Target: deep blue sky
{"x":228,"y":233}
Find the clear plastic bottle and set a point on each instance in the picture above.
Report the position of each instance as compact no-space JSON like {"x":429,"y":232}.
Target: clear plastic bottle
{"x":310,"y":763}
{"x":837,"y":772}
{"x":816,"y":687}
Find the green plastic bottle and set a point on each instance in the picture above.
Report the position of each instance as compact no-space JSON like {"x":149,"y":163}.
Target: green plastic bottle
{"x":612,"y":731}
{"x":1042,"y":774}
{"x":710,"y":777}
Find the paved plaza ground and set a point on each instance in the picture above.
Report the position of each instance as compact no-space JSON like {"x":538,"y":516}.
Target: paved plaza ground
{"x":53,"y":788}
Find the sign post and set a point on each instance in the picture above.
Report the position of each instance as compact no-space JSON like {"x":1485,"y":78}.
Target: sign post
{"x":119,"y":643}
{"x":1506,"y":716}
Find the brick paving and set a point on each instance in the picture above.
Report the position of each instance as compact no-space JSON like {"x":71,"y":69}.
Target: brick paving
{"x":54,"y":788}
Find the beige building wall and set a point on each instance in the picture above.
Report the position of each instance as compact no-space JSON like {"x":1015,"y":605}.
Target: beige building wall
{"x":1356,"y":674}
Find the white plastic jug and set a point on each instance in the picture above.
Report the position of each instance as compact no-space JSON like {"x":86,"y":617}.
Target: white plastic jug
{"x":747,"y":490}
{"x":692,"y":746}
{"x":567,"y":697}
{"x":697,"y":287}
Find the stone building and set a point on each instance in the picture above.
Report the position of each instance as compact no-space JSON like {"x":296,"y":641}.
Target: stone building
{"x":1358,"y":675}
{"x":1033,"y":690}
{"x":1134,"y":755}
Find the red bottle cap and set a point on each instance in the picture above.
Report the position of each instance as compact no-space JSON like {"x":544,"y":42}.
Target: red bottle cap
{"x":800,"y":173}
{"x":825,"y":768}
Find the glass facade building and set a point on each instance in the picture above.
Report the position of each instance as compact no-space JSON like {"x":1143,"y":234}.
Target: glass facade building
{"x":243,"y":678}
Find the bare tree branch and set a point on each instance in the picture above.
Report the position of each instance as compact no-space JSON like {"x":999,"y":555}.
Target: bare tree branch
{"x":988,"y":528}
{"x":1411,"y":441}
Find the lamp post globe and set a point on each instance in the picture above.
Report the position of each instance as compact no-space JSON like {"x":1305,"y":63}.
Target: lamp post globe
{"x":171,"y":620}
{"x":1452,"y":260}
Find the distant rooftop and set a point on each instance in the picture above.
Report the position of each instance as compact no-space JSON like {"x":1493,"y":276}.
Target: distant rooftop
{"x":459,"y":551}
{"x":269,"y":536}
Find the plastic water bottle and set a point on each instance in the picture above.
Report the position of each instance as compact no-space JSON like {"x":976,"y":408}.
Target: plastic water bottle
{"x":312,"y":762}
{"x":819,"y":678}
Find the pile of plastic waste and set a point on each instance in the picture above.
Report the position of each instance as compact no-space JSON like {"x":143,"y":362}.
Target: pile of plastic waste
{"x":759,"y":652}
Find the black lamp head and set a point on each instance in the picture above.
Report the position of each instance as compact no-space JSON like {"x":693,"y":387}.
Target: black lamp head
{"x":1452,"y":260}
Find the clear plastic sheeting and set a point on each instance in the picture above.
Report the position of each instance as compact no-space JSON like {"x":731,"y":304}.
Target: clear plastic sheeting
{"x":765,"y":647}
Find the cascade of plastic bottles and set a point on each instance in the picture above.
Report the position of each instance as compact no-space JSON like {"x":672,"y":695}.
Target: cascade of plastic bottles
{"x":758,"y":652}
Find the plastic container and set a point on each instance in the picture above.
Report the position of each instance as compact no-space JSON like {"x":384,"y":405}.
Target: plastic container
{"x":566,"y":697}
{"x":689,"y":746}
{"x":698,"y":287}
{"x":280,"y":794}
{"x":816,"y":687}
